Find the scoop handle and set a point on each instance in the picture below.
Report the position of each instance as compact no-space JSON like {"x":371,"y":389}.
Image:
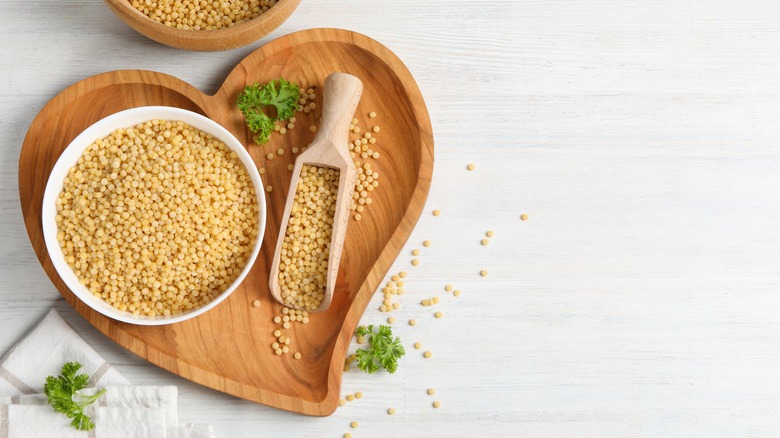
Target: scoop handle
{"x":340,"y":99}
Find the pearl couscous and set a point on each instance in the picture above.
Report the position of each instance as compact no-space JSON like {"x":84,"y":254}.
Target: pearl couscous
{"x":202,"y":14}
{"x":303,"y":269}
{"x":158,"y":218}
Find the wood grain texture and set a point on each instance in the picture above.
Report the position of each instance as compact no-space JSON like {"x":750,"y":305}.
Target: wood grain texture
{"x":640,"y":298}
{"x":330,"y":148}
{"x":228,"y":348}
{"x":221,"y":39}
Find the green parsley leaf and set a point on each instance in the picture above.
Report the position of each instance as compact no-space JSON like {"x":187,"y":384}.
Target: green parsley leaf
{"x":61,"y":391}
{"x":255,"y":99}
{"x":384,"y":349}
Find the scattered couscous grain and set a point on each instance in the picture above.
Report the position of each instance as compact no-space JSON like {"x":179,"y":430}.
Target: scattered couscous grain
{"x":342,"y":402}
{"x":427,"y":355}
{"x":415,"y":252}
{"x":456,"y":293}
{"x":391,"y":320}
{"x":350,"y":397}
{"x":417,"y":345}
{"x":269,"y":156}
{"x":471,"y":167}
{"x":426,"y":243}
{"x":297,"y":355}
{"x":375,"y":129}
{"x":485,"y":242}
{"x":354,"y":424}
{"x":437,"y":404}
{"x":438,"y":315}
{"x":415,"y":262}
{"x":372,"y":114}
{"x":436,"y":212}
{"x":256,"y":303}
{"x":347,"y":435}
{"x":412,"y":322}
{"x":280,"y":152}
{"x":390,"y":411}
{"x":448,"y":287}
{"x":431,"y":391}
{"x":142,"y":218}
{"x":524,"y":217}
{"x":483,"y":273}
{"x":358,"y":394}
{"x":269,"y":188}
{"x":402,"y":274}
{"x":489,"y":233}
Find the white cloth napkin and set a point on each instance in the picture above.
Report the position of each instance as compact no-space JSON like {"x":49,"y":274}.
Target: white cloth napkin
{"x":126,"y":396}
{"x":42,"y":421}
{"x":43,"y":351}
{"x":123,"y":411}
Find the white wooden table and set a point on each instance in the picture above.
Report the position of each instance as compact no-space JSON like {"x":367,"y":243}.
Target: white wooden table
{"x":642,"y":296}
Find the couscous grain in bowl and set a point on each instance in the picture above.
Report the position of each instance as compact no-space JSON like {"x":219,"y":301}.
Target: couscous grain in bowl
{"x":153,"y":215}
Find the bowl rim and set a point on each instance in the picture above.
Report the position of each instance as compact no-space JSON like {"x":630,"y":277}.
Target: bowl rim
{"x":74,"y":150}
{"x":201,"y":36}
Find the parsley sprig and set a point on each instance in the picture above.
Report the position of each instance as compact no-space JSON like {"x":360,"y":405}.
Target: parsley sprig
{"x":254,"y":99}
{"x":384,"y":350}
{"x":61,"y":391}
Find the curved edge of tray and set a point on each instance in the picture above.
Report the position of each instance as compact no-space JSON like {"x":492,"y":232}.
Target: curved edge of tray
{"x":413,"y":211}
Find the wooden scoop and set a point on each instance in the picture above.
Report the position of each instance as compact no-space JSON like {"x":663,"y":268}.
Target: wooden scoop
{"x":329,"y":149}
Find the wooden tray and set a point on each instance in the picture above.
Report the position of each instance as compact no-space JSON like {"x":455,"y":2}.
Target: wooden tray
{"x":228,"y":348}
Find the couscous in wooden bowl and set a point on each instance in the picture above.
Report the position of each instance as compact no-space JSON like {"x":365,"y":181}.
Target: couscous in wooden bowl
{"x":204,"y":40}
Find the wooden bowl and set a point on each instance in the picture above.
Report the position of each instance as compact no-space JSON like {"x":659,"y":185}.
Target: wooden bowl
{"x":205,"y":40}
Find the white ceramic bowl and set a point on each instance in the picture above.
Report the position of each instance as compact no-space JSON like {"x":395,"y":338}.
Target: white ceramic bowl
{"x":102,"y":128}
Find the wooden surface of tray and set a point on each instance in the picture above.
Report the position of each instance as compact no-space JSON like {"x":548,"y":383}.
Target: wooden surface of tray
{"x":229,"y":347}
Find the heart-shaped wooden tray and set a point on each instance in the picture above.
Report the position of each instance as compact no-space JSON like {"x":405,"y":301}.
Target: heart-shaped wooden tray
{"x":229,"y":347}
